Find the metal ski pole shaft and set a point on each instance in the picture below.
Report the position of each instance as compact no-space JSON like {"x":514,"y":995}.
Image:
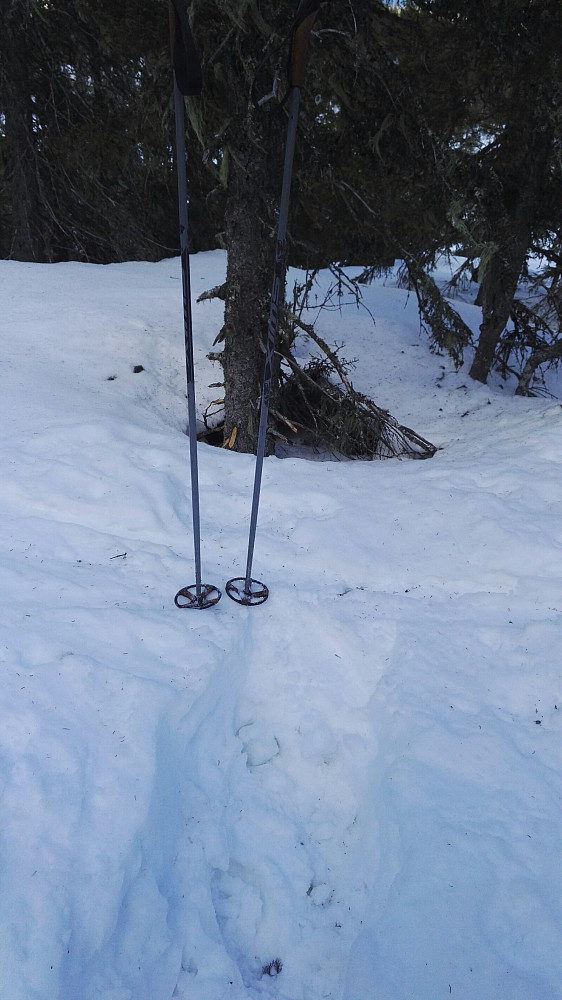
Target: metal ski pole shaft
{"x":183,"y":52}
{"x":276,"y":291}
{"x":245,"y":590}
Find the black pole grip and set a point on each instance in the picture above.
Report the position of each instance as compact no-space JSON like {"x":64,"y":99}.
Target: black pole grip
{"x":187,"y":68}
{"x":305,"y":16}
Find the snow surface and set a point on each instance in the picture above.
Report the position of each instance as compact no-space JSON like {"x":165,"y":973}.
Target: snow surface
{"x":352,"y":791}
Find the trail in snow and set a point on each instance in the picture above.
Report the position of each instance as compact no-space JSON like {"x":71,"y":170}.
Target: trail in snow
{"x":352,"y":792}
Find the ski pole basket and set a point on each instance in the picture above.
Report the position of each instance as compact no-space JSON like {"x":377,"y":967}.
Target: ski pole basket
{"x":247,"y":592}
{"x":188,"y":597}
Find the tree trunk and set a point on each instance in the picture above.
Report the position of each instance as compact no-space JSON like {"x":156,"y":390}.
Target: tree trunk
{"x":497,"y":292}
{"x":250,"y":245}
{"x":550,"y":352}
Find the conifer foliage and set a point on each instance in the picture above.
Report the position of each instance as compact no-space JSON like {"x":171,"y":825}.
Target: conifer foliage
{"x":86,"y":160}
{"x":426,"y":126}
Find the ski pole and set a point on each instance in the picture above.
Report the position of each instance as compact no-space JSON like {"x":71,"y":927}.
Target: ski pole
{"x":188,"y":83}
{"x":244,"y":589}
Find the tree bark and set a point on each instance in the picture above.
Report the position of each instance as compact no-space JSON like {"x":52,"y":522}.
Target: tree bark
{"x":550,"y":352}
{"x":250,"y":246}
{"x":497,"y":292}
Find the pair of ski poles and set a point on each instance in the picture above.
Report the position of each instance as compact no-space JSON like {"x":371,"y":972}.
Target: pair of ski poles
{"x":188,"y":83}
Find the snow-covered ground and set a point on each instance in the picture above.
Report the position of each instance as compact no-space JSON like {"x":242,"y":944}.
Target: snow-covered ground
{"x":350,"y":792}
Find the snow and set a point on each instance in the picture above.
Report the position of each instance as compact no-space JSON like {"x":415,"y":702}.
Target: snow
{"x":350,"y":792}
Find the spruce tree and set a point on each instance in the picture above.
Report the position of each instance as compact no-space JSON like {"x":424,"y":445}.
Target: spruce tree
{"x":504,"y":171}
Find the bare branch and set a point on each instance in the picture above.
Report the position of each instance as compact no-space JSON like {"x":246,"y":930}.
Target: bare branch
{"x":218,"y":292}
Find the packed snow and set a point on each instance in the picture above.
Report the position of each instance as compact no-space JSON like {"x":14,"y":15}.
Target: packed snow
{"x":351,"y":792}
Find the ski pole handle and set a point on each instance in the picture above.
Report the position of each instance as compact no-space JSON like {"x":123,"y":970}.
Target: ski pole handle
{"x":305,"y":17}
{"x":187,"y":68}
